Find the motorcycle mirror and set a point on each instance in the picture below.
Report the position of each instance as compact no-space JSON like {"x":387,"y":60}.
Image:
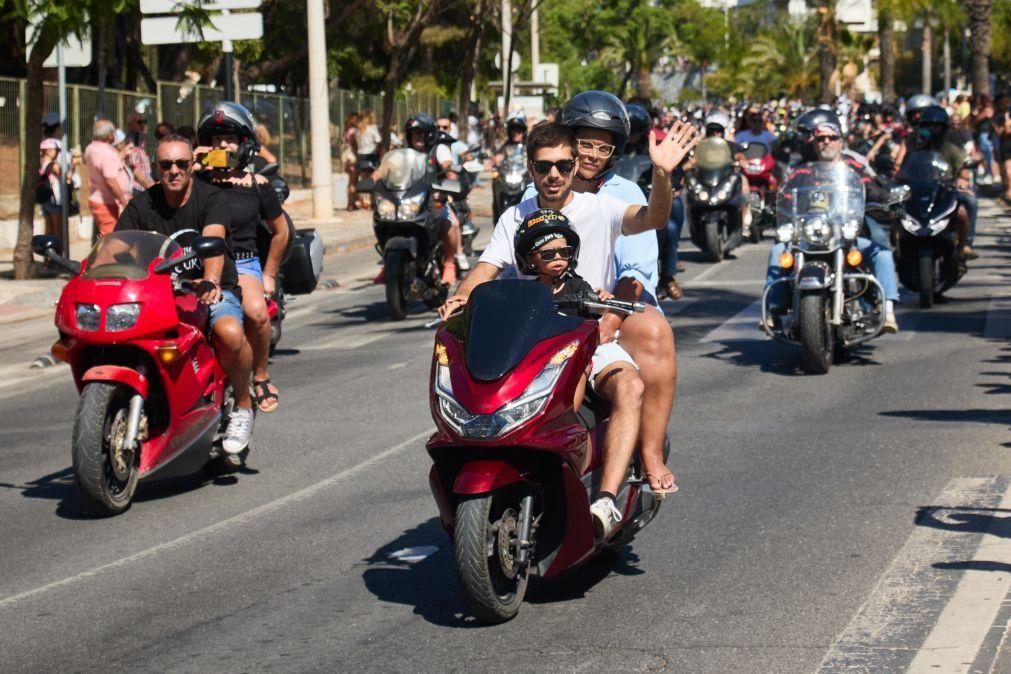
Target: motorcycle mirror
{"x":269,"y":170}
{"x":42,"y":244}
{"x":209,"y":246}
{"x":448,"y":186}
{"x":365,"y":185}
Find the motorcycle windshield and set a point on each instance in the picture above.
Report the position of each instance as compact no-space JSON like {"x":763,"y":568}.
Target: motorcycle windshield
{"x":926,"y":172}
{"x":515,"y":164}
{"x":713,"y":153}
{"x":127,"y":254}
{"x":402,"y":168}
{"x":506,"y":319}
{"x":711,"y":177}
{"x":828,"y":191}
{"x":755,"y":150}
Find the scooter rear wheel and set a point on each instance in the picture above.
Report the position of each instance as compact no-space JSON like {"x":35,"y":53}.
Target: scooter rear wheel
{"x":105,"y":472}
{"x":484,"y":548}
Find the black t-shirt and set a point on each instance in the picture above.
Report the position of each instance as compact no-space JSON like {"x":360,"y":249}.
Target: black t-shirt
{"x":248,"y":204}
{"x":575,"y":286}
{"x":207,"y":205}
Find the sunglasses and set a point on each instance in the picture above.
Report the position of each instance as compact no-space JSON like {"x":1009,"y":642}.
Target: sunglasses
{"x":444,"y":128}
{"x":181,"y":164}
{"x":588,"y":147}
{"x":549,"y":254}
{"x":564,"y":166}
{"x":826,"y":139}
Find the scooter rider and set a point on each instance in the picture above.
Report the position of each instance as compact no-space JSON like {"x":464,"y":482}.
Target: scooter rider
{"x":230,"y":127}
{"x":716,"y":124}
{"x":177,"y":203}
{"x":516,"y":136}
{"x":599,"y":219}
{"x":546,"y":246}
{"x":931,"y":128}
{"x":826,"y":142}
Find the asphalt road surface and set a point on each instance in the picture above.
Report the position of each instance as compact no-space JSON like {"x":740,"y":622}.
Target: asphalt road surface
{"x":859,"y":520}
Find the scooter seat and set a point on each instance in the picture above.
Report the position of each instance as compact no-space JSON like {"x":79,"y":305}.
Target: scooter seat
{"x":593,"y":410}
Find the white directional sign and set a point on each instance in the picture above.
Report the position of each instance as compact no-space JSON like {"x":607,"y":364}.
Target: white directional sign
{"x":168,"y":30}
{"x":172,"y":6}
{"x":76,"y":53}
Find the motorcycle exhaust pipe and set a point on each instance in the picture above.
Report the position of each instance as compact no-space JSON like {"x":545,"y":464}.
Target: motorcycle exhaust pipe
{"x":133,"y":421}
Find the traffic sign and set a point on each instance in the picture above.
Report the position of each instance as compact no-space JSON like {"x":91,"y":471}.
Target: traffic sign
{"x":76,"y":53}
{"x":169,"y":29}
{"x":173,"y":6}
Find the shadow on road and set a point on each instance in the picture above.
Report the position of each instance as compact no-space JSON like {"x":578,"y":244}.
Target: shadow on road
{"x":965,"y":520}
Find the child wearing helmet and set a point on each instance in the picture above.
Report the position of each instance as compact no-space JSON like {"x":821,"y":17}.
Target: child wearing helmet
{"x":546,"y":245}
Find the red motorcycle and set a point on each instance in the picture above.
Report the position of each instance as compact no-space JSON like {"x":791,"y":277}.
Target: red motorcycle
{"x":516,"y":457}
{"x":154,"y":399}
{"x":760,"y":168}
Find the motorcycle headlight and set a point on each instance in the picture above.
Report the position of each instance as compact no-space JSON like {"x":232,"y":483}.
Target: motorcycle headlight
{"x":937,"y":226}
{"x":409,"y":207}
{"x":817,"y":230}
{"x":88,"y":316}
{"x":510,"y":415}
{"x":386,"y":208}
{"x":121,"y":316}
{"x":850,"y":230}
{"x":910,"y":225}
{"x":703,"y":195}
{"x":784,"y":233}
{"x":514,"y":179}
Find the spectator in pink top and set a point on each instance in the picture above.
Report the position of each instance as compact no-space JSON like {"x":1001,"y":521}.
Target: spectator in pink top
{"x":108,"y":184}
{"x":136,"y":159}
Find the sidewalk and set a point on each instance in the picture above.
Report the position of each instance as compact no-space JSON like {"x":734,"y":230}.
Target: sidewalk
{"x":28,"y":300}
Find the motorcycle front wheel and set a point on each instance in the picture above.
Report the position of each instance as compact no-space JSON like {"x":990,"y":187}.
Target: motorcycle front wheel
{"x":484,"y":546}
{"x":714,"y":242}
{"x":926,"y":281}
{"x":399,"y":277}
{"x":815,"y":333}
{"x":105,"y":471}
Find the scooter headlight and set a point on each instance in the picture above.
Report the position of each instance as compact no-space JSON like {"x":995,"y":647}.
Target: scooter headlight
{"x":88,"y":316}
{"x":122,"y":316}
{"x":410,"y":206}
{"x":386,"y":208}
{"x":703,"y":195}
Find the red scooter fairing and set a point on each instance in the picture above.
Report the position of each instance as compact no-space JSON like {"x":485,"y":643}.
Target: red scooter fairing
{"x":124,"y":324}
{"x":760,"y":166}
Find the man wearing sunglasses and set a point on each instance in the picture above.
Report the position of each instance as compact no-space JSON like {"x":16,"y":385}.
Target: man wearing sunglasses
{"x":599,"y":219}
{"x":178,"y":203}
{"x":826,"y":146}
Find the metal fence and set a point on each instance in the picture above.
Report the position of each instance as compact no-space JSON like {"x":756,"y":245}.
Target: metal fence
{"x":285,"y":118}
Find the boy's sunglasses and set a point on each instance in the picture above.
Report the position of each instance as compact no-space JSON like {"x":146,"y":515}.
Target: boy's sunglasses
{"x":181,"y":164}
{"x":564,"y":166}
{"x":549,"y":254}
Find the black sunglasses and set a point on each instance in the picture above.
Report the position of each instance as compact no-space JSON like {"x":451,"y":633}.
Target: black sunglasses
{"x":827,"y":139}
{"x":181,"y":164}
{"x":543,"y":166}
{"x":549,"y":254}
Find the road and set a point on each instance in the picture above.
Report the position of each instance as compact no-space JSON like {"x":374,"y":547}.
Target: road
{"x":856,"y":520}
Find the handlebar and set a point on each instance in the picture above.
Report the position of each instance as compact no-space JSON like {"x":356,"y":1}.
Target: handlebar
{"x":595,"y":305}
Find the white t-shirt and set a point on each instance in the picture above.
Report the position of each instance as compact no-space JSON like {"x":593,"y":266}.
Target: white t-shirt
{"x":443,"y":154}
{"x":596,"y":218}
{"x":369,"y":140}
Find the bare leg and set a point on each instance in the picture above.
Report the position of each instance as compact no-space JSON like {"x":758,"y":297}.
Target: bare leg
{"x":961,"y":228}
{"x":257,"y":326}
{"x":236,"y":358}
{"x":650,"y":341}
{"x":620,"y":384}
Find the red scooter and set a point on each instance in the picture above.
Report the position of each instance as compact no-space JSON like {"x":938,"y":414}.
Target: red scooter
{"x":760,"y":168}
{"x":516,"y":459}
{"x":154,"y":399}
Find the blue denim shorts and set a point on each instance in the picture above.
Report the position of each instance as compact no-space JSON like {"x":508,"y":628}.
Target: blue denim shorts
{"x":228,"y":305}
{"x":250,"y":267}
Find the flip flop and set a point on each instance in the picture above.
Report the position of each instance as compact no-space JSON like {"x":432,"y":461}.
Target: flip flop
{"x":660,"y":493}
{"x":265,"y":395}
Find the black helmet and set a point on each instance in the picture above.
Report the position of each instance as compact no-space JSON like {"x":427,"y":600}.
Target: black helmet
{"x":812,"y":119}
{"x":537,"y":228}
{"x":420,"y":121}
{"x":227,"y":118}
{"x":518,"y":121}
{"x":280,"y":187}
{"x":598,"y":110}
{"x":934,"y":114}
{"x":639,"y":123}
{"x":919,"y":102}
{"x":927,"y":118}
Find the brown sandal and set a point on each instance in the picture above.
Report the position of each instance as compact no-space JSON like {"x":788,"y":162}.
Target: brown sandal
{"x":265,"y":395}
{"x":658,"y":492}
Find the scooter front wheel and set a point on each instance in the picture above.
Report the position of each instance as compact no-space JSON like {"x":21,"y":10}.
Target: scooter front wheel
{"x":105,"y":471}
{"x":485,"y":544}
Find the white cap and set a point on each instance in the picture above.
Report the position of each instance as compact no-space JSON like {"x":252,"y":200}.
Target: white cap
{"x":119,"y":137}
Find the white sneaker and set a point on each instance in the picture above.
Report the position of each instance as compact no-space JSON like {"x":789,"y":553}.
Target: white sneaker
{"x":605,"y":516}
{"x":462,"y":263}
{"x":240,"y":429}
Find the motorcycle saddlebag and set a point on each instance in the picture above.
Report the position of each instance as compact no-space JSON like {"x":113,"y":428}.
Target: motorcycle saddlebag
{"x":302,"y":269}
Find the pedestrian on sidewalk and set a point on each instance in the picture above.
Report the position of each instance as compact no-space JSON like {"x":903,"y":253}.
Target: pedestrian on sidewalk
{"x":109,"y":189}
{"x":264,"y":139}
{"x":369,"y":139}
{"x":136,"y":157}
{"x":349,"y":157}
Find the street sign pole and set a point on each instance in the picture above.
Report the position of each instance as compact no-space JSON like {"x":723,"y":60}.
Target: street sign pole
{"x":226,"y":48}
{"x":319,"y":113}
{"x":64,"y":150}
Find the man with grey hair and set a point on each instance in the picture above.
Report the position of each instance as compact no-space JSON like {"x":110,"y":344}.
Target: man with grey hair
{"x":108,"y":184}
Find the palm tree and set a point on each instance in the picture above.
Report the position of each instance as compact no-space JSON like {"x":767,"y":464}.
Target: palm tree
{"x":886,"y":19}
{"x":826,"y":34}
{"x":979,"y":43}
{"x":644,"y":37}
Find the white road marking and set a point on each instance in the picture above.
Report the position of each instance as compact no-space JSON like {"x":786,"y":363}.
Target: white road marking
{"x":742,"y":327}
{"x":998,"y":319}
{"x":960,"y":630}
{"x":748,"y":283}
{"x":926,"y":587}
{"x":397,"y":366}
{"x":675,"y":307}
{"x":223,"y":525}
{"x":413,"y":555}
